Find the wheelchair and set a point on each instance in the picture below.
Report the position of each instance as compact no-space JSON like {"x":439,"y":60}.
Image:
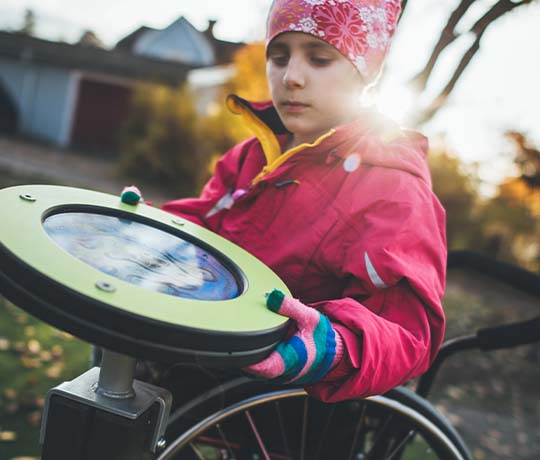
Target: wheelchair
{"x":129,"y":410}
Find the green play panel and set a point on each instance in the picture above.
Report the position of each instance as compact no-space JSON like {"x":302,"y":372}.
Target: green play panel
{"x":134,"y":279}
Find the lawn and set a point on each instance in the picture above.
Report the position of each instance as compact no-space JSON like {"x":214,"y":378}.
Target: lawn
{"x":34,"y":357}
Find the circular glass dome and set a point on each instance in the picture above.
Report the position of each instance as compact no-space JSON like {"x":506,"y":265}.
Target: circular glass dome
{"x":144,"y":256}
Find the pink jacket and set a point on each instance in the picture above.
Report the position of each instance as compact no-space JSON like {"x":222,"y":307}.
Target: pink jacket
{"x":352,"y":226}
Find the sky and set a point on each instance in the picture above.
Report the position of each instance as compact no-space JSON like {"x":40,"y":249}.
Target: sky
{"x":498,"y":91}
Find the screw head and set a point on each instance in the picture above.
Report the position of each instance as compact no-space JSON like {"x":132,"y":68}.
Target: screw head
{"x":27,"y":197}
{"x":105,"y":286}
{"x":178,"y":222}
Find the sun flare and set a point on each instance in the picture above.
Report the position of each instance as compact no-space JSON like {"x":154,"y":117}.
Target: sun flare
{"x":396,"y":100}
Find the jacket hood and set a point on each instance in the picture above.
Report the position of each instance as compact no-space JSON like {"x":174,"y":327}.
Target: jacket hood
{"x":376,"y":139}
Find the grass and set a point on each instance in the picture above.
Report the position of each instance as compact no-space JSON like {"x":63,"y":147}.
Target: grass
{"x":34,"y":357}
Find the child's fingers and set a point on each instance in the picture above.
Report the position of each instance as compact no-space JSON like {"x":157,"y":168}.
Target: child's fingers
{"x":271,"y":367}
{"x":306,"y":317}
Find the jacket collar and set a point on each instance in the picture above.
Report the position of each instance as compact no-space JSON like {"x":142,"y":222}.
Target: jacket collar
{"x":263,"y":120}
{"x":380,"y":141}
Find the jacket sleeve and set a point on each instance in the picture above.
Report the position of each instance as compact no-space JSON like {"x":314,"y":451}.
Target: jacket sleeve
{"x":217,"y":188}
{"x":390,"y":317}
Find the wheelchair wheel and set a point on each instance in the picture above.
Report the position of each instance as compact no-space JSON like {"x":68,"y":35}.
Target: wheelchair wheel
{"x":290,"y":425}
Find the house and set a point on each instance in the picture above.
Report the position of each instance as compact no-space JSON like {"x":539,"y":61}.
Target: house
{"x":211,"y":56}
{"x":78,"y":96}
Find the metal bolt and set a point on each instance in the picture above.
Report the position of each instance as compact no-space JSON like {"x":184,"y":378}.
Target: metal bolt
{"x":161,"y":444}
{"x":178,"y":222}
{"x":105,"y":286}
{"x":27,"y":197}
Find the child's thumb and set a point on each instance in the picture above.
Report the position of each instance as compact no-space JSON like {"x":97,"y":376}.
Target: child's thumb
{"x":274,"y":300}
{"x":131,"y":195}
{"x":292,"y":308}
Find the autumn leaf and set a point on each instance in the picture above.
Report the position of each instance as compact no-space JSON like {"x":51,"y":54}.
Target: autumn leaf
{"x":34,"y":346}
{"x":4,"y":344}
{"x":57,"y":351}
{"x":55,"y":370}
{"x":34,"y":418}
{"x":7,"y":436}
{"x":10,"y":393}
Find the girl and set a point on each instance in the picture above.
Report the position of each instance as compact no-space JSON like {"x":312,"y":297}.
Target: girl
{"x":337,"y":202}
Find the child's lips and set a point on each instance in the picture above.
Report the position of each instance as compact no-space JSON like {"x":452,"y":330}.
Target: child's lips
{"x":294,"y":106}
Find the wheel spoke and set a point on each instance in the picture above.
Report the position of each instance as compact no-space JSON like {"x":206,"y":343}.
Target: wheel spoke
{"x":399,"y":447}
{"x":374,"y":452}
{"x":257,"y":435}
{"x":357,"y":430}
{"x":197,"y":452}
{"x":225,"y":440}
{"x":304,"y":428}
{"x":282,"y":431}
{"x":324,"y":433}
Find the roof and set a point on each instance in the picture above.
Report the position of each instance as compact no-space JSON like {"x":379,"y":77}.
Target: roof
{"x":116,"y":62}
{"x":181,"y":41}
{"x":128,"y":41}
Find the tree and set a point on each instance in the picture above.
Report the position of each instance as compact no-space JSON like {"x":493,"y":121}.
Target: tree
{"x":249,"y":80}
{"x":527,"y":159}
{"x":525,"y":191}
{"x":90,"y":39}
{"x":221,"y":129}
{"x":457,"y":190}
{"x":449,"y":34}
{"x":503,"y":226}
{"x":160,"y":140}
{"x":510,"y":230}
{"x":509,"y":221}
{"x":29,"y":23}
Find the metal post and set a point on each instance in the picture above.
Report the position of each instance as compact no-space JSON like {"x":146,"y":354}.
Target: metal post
{"x":116,"y":376}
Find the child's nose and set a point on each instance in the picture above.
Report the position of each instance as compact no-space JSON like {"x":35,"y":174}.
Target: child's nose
{"x":294,"y":76}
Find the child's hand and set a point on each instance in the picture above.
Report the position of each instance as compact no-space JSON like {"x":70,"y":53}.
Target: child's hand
{"x":131,"y":195}
{"x":309,"y":354}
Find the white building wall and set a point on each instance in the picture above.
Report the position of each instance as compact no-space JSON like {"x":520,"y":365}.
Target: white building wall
{"x":45,"y":98}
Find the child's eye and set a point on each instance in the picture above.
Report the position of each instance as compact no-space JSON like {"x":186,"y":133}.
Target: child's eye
{"x":320,"y":61}
{"x":279,"y":59}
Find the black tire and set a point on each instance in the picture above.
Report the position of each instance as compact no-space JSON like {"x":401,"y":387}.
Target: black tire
{"x":424,"y":407}
{"x":288,"y":424}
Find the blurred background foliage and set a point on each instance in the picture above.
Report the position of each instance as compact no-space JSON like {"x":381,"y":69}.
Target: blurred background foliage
{"x":160,"y":140}
{"x":165,"y":140}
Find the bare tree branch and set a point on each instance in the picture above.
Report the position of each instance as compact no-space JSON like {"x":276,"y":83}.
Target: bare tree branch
{"x":495,"y":12}
{"x":403,"y":6}
{"x":448,"y":35}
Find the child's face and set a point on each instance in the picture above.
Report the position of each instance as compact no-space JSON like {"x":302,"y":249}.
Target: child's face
{"x":313,"y":86}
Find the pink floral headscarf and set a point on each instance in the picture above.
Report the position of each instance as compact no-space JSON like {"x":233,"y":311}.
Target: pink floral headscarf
{"x":360,"y":29}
